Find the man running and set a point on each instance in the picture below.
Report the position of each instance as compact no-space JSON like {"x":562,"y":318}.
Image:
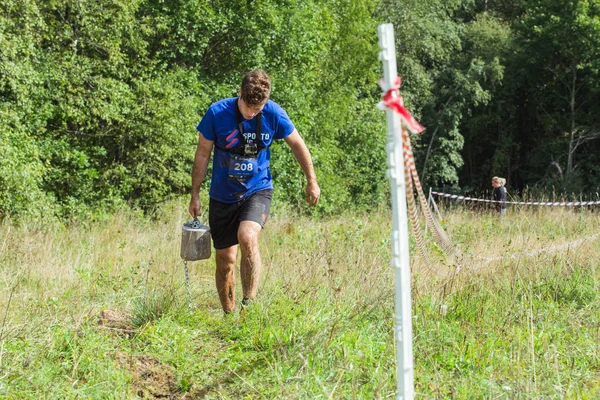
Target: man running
{"x":241,"y":130}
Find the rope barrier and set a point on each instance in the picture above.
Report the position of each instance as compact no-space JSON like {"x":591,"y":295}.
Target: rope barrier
{"x":393,"y":100}
{"x":526,"y":203}
{"x":478,"y":262}
{"x":551,"y":249}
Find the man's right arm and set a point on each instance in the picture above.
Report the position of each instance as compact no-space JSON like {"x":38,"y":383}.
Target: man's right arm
{"x":201,"y":159}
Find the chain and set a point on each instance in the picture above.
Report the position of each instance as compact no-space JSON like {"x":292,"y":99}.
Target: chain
{"x":187,"y":283}
{"x":195,"y":224}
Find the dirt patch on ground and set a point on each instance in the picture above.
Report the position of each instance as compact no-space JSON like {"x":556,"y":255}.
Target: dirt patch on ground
{"x":151,"y":378}
{"x":116,"y":322}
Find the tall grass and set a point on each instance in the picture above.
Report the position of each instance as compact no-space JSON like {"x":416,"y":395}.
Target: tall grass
{"x":521,"y":326}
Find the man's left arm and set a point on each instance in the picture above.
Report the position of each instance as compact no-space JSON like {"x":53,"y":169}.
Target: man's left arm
{"x":313,"y":192}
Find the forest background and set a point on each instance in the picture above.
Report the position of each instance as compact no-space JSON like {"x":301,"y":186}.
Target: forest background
{"x":99,"y":100}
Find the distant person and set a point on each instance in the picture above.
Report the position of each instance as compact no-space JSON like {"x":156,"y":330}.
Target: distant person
{"x":499,"y":194}
{"x":241,"y":129}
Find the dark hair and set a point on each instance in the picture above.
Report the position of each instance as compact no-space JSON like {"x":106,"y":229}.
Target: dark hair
{"x":256,"y":87}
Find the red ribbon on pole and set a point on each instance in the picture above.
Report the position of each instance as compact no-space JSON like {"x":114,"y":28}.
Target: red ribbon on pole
{"x":393,"y":100}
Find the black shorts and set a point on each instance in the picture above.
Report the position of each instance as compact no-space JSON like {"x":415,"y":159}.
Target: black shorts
{"x":224,"y":218}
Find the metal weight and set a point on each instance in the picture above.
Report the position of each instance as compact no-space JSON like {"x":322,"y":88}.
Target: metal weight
{"x":195,"y":241}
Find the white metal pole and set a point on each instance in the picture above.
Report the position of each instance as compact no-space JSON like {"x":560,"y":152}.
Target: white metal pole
{"x":400,"y":259}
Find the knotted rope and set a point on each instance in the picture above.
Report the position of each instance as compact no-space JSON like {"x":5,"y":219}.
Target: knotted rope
{"x":392,"y":99}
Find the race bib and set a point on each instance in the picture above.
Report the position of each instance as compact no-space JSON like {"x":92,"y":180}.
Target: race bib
{"x":241,"y":167}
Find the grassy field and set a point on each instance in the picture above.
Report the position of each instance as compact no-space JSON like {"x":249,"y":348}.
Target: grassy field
{"x":99,"y":310}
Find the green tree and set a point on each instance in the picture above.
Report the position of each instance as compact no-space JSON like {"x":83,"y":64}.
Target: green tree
{"x":446,"y":74}
{"x":564,"y":79}
{"x":22,"y":112}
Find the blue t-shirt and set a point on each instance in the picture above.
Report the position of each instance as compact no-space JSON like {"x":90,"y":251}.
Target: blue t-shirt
{"x":220,"y":126}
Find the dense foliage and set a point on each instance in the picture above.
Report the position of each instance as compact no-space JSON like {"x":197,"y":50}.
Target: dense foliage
{"x":99,"y":100}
